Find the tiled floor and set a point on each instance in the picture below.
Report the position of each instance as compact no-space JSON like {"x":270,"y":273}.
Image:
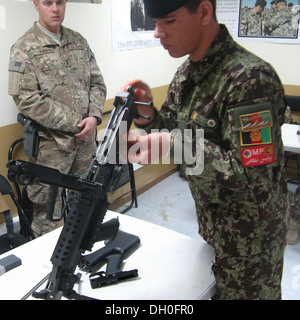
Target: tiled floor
{"x":171,"y":205}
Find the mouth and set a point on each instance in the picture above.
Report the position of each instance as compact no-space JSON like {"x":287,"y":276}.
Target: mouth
{"x":166,"y":46}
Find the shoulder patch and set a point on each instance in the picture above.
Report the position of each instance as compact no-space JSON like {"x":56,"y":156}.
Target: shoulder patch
{"x":15,"y":66}
{"x":256,"y":138}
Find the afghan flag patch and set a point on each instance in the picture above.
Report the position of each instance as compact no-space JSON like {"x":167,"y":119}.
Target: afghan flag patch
{"x":258,"y":136}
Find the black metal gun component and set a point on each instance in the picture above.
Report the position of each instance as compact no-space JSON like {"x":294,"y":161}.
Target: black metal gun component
{"x":113,"y":254}
{"x":87,"y":199}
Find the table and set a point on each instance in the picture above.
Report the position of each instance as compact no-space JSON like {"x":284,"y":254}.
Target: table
{"x":171,"y":266}
{"x":290,"y":138}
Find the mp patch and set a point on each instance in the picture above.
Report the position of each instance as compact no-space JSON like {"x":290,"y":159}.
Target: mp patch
{"x":258,"y":155}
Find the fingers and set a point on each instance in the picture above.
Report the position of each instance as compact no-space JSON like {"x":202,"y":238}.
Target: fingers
{"x":87,"y":128}
{"x":142,"y":90}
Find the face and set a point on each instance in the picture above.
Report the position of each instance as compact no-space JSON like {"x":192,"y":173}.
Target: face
{"x":280,"y":6}
{"x":181,"y":32}
{"x":260,"y":8}
{"x":52,"y":13}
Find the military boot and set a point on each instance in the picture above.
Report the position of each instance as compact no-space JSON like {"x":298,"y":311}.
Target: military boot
{"x":293,"y":232}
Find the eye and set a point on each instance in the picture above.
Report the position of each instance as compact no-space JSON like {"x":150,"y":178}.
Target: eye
{"x":170,"y":21}
{"x":47,"y":3}
{"x":60,"y":3}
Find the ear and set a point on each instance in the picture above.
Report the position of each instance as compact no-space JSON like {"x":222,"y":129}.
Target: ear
{"x":35,"y":2}
{"x":205,"y":9}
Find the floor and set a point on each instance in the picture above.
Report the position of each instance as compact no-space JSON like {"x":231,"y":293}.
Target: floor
{"x":171,"y":205}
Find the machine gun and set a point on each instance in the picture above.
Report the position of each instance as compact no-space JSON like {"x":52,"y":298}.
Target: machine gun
{"x":87,"y":199}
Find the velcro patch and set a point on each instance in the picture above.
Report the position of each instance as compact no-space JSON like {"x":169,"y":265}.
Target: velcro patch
{"x":258,"y":155}
{"x":256,"y":128}
{"x":15,"y":66}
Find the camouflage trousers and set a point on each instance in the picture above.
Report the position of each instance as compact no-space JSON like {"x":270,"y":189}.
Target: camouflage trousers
{"x":249,"y":239}
{"x":255,"y":277}
{"x":77,"y":160}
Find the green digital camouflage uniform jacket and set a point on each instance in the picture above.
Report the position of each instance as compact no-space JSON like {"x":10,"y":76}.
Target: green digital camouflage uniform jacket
{"x":57,"y":86}
{"x":241,"y":195}
{"x":250,"y":24}
{"x":280,"y":25}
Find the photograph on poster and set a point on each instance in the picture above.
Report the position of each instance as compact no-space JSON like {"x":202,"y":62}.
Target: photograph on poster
{"x":274,"y":19}
{"x":131,"y":28}
{"x":139,"y":20}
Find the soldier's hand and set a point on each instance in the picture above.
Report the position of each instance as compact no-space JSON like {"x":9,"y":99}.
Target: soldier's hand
{"x":142,"y":93}
{"x":87,"y":128}
{"x":147,"y":149}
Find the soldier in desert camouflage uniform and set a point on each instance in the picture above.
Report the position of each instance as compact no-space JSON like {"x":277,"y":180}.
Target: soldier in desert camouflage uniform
{"x":250,"y":23}
{"x":238,"y":99}
{"x":54,"y":80}
{"x":281,"y":23}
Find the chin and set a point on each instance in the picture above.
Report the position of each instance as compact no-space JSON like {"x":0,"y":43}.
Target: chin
{"x":176,"y":54}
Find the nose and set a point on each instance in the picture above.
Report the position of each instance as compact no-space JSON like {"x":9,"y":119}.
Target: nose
{"x":159,"y":33}
{"x":54,"y":6}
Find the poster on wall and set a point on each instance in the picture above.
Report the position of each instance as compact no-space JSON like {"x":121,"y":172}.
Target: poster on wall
{"x":131,"y":28}
{"x":246,"y":20}
{"x":250,"y":20}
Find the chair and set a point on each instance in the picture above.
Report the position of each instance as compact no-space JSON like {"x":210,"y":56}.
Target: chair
{"x":127,"y":176}
{"x":11,"y":239}
{"x":293,"y":102}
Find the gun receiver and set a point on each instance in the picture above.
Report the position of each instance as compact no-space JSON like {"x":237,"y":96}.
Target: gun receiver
{"x":87,"y":199}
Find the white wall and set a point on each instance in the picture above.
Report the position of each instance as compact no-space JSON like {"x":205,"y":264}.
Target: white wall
{"x":93,"y":21}
{"x":285,"y":58}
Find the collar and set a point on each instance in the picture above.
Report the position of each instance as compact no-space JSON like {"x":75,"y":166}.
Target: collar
{"x":196,"y":71}
{"x":46,"y":40}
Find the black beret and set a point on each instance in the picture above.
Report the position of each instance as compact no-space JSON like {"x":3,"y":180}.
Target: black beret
{"x":262,"y":3}
{"x":160,"y":8}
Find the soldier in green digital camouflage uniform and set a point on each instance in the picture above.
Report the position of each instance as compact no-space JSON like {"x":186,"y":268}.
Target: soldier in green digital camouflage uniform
{"x":250,"y":23}
{"x":281,"y":23}
{"x":269,"y":14}
{"x":54,"y":80}
{"x":238,"y":99}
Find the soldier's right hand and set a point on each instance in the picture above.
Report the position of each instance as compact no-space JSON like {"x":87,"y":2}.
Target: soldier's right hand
{"x":142,"y":93}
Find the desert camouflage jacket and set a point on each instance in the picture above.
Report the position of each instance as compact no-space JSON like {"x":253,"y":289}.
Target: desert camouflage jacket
{"x":55,"y":85}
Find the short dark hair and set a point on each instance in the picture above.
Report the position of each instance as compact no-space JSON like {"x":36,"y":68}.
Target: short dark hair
{"x":192,"y":6}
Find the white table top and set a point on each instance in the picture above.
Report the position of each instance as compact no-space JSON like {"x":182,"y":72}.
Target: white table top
{"x":171,"y":266}
{"x":290,"y":138}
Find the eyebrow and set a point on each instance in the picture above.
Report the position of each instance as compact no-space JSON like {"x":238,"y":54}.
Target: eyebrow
{"x":168,"y":16}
